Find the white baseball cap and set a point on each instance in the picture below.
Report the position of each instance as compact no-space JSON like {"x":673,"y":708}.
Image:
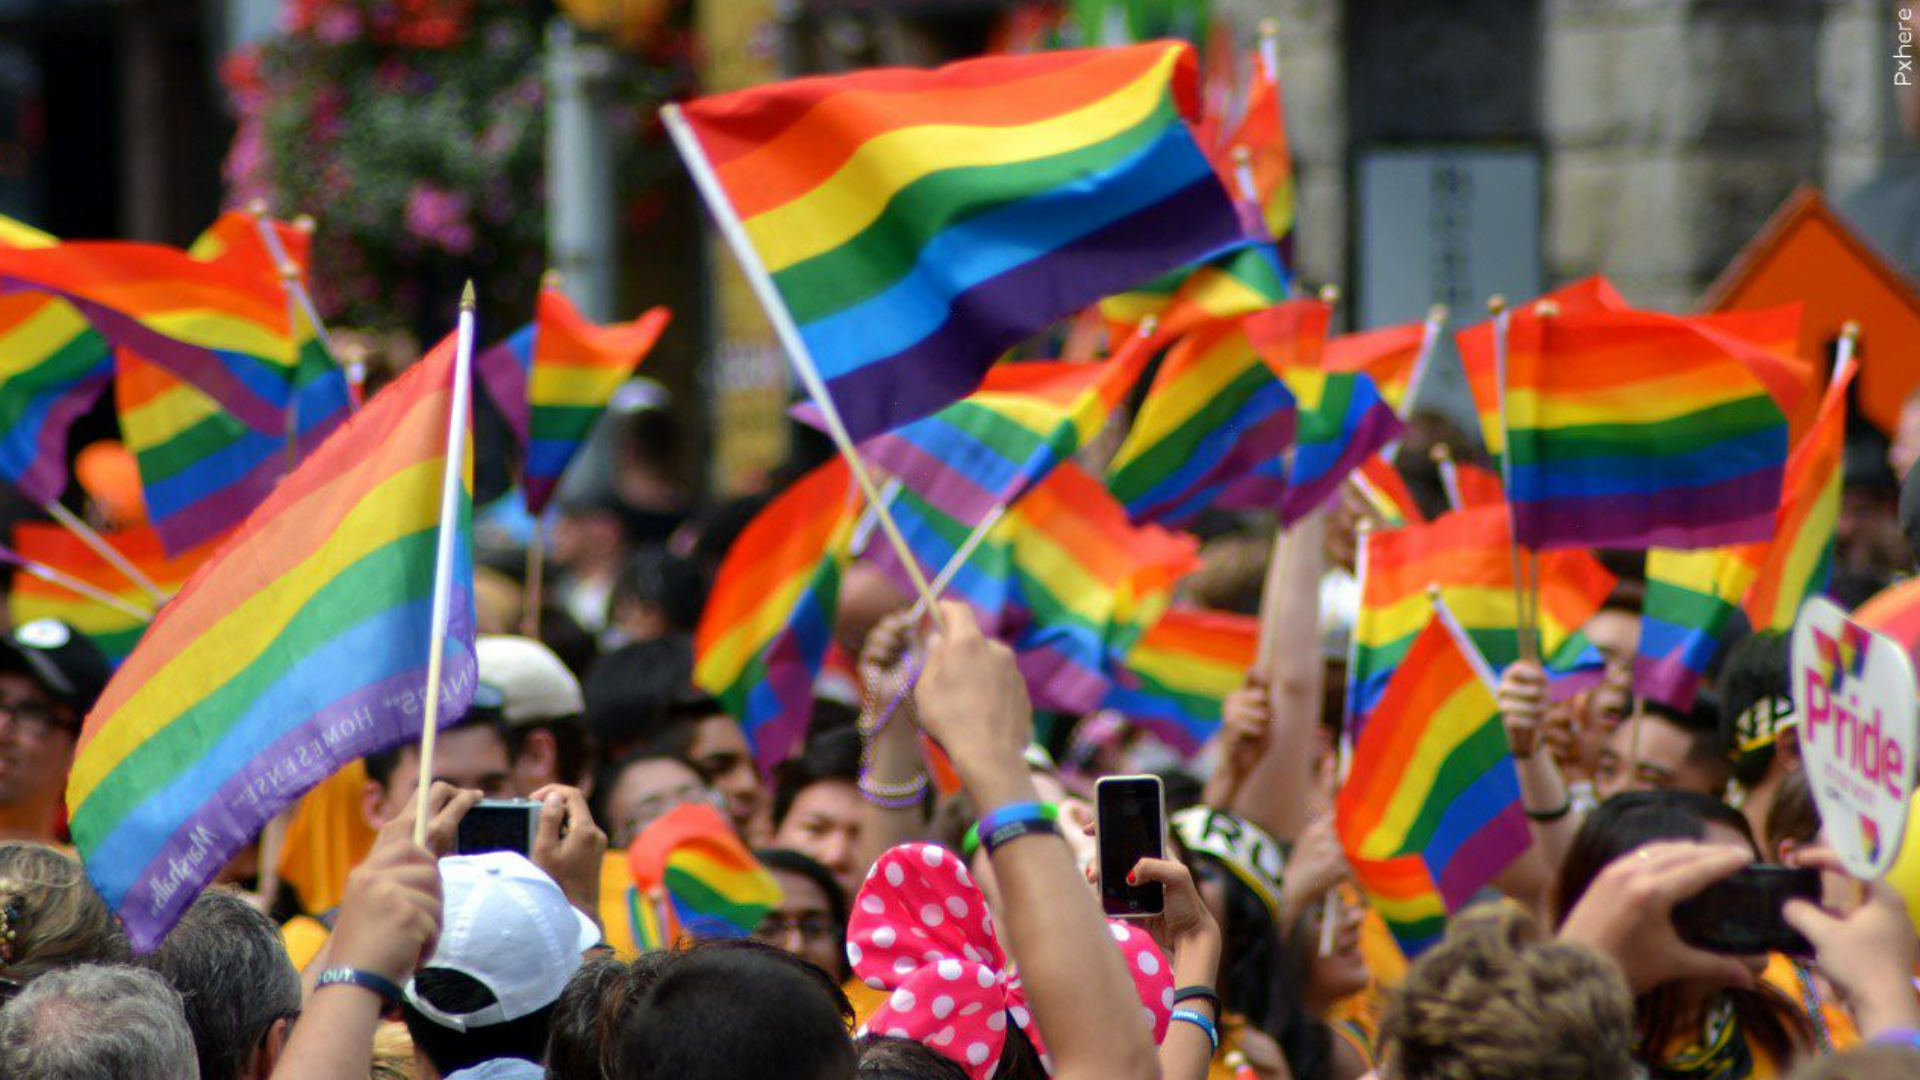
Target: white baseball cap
{"x":534,"y":684}
{"x":508,"y":926}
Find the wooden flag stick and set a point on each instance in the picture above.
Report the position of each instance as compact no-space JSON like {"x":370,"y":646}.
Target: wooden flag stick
{"x":960,"y":557}
{"x":728,"y":221}
{"x":289,"y":271}
{"x":1502,"y":320}
{"x":450,"y":485}
{"x":1442,"y":457}
{"x":99,"y":546}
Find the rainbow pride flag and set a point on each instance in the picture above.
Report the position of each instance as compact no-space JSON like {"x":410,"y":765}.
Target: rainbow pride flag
{"x":769,"y":617}
{"x":715,"y":888}
{"x":1178,"y":675}
{"x":1895,"y":612}
{"x":300,"y":646}
{"x":1799,"y":560}
{"x":1430,"y":811}
{"x":1476,"y":345}
{"x":1392,"y":356}
{"x":988,"y":448}
{"x":114,"y":630}
{"x":53,"y":367}
{"x":1241,"y":282}
{"x":552,"y":378}
{"x":1263,"y":132}
{"x":916,"y":224}
{"x":1691,"y":598}
{"x":1342,"y":422}
{"x":1638,"y":429}
{"x":1386,"y":493}
{"x":1215,"y":415}
{"x":1468,"y":555}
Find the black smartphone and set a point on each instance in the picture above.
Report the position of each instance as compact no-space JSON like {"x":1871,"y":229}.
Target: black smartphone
{"x":498,"y":825}
{"x":1740,"y":914}
{"x":1130,"y":815}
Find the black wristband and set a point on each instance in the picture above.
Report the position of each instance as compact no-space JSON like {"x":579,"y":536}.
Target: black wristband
{"x":365,"y":980}
{"x":1554,"y":814}
{"x":1006,"y":832}
{"x":1202,"y":993}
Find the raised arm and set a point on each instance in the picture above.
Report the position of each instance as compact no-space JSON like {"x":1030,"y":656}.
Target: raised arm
{"x":973,"y":701}
{"x":890,"y":724}
{"x":1551,"y":817}
{"x":1275,"y":792}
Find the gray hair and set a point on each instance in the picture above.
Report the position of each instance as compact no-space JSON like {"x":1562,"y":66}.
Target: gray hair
{"x":96,"y":1020}
{"x":229,"y":963}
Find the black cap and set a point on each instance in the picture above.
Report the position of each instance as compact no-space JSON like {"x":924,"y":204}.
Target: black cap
{"x":65,"y":662}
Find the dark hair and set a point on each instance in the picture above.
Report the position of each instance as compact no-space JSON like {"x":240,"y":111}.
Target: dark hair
{"x":629,"y":691}
{"x":1756,"y":668}
{"x":795,"y":862}
{"x":380,"y":765}
{"x":1706,"y":747}
{"x":606,"y":777}
{"x":590,"y":1012}
{"x":737,"y":1008}
{"x":1793,"y":814}
{"x":451,"y":1050}
{"x":232,"y":970}
{"x":658,"y":578}
{"x":574,"y":644}
{"x":828,"y":755}
{"x":884,"y":1057}
{"x":1636,"y":818}
{"x":573,"y":751}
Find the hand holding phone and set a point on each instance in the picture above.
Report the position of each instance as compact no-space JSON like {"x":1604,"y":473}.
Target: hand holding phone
{"x":1130,"y":821}
{"x":498,"y":825}
{"x":1741,"y":913}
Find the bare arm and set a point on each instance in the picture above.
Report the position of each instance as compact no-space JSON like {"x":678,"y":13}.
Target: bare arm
{"x":1275,"y":793}
{"x":972,"y":699}
{"x":1543,"y":791}
{"x":893,"y":751}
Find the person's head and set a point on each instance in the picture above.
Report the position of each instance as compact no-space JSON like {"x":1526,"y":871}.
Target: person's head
{"x":817,"y":807}
{"x":713,"y":743}
{"x":637,"y":792}
{"x":657,"y":594}
{"x":509,"y":943}
{"x":93,"y":1021}
{"x":811,"y":919}
{"x":50,"y":675}
{"x":541,"y":703}
{"x":591,"y":1011}
{"x":589,"y":533}
{"x":241,"y":991}
{"x":729,"y":1009}
{"x":475,"y":753}
{"x":53,"y":918}
{"x":1341,"y":971}
{"x":630,"y":690}
{"x":1793,"y":818}
{"x":884,"y":1057}
{"x":1492,"y":1003}
{"x":1757,"y":720}
{"x":1660,"y":748}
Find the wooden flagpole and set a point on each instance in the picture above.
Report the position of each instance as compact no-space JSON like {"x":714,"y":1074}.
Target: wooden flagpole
{"x":728,"y":221}
{"x":1502,"y":320}
{"x":444,"y":555}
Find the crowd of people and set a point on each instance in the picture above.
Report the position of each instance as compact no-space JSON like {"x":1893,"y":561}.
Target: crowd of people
{"x":922,"y":936}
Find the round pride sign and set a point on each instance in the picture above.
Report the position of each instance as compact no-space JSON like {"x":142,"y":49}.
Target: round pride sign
{"x":1855,"y":698}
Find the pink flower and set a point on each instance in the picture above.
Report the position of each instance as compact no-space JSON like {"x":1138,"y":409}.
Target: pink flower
{"x":338,"y":25}
{"x":439,"y":217}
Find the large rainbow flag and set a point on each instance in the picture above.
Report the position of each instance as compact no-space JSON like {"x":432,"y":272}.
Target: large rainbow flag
{"x":1799,"y":560}
{"x":1468,"y":556}
{"x":53,"y":367}
{"x":1430,"y":812}
{"x":988,"y":448}
{"x":1178,"y":675}
{"x":112,"y":628}
{"x":916,"y":224}
{"x":1637,"y":429}
{"x":300,"y":646}
{"x":552,"y":377}
{"x":1690,"y":601}
{"x":1215,"y":415}
{"x":769,"y":617}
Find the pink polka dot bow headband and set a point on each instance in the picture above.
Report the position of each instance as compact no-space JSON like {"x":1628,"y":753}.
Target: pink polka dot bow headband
{"x":921,"y":929}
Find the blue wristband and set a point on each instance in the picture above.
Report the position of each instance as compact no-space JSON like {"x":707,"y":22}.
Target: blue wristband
{"x":1015,"y":820}
{"x":1200,"y":1021}
{"x":365,"y":980}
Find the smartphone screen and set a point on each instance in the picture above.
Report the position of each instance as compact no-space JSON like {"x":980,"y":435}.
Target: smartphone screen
{"x":1131,"y":816}
{"x":1740,"y":914}
{"x":497,"y":825}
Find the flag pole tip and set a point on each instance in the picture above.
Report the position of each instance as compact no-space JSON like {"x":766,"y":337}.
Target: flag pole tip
{"x":289,"y":271}
{"x":1850,"y":330}
{"x":466,"y":296}
{"x":1496,"y":304}
{"x":1546,"y":309}
{"x":1433,"y":592}
{"x":550,"y":278}
{"x":1269,"y":28}
{"x":1440,"y":452}
{"x":305,"y":223}
{"x":1242,"y":155}
{"x":1437,"y":313}
{"x":1149,"y":326}
{"x":257,"y":207}
{"x":1329,"y":294}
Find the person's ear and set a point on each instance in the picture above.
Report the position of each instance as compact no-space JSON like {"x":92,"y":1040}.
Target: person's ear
{"x":1787,"y":745}
{"x":540,"y":754}
{"x":267,"y":1054}
{"x":373,"y":805}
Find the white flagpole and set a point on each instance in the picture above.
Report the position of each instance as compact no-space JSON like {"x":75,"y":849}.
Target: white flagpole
{"x":728,"y":221}
{"x":1429,"y":340}
{"x":55,"y":576}
{"x":99,"y":546}
{"x":443,"y":557}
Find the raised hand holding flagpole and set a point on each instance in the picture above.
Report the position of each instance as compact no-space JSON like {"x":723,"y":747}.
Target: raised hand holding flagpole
{"x":450,"y":487}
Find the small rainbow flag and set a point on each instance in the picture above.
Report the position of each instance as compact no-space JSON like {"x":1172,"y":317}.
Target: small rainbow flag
{"x":552,"y":378}
{"x":1215,"y":415}
{"x":1263,"y":132}
{"x":1178,"y":675}
{"x":1392,"y":356}
{"x":1799,"y":560}
{"x":1241,"y":282}
{"x":1467,"y":554}
{"x":769,"y":617}
{"x":1430,"y":811}
{"x":714,"y":886}
{"x":1386,"y":492}
{"x":1895,"y":612}
{"x":991,"y":446}
{"x":114,"y":630}
{"x":916,"y":224}
{"x":53,"y":367}
{"x":1477,"y":353}
{"x":300,"y":646}
{"x":1342,"y":422}
{"x":1638,"y":429}
{"x":1690,"y":602}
